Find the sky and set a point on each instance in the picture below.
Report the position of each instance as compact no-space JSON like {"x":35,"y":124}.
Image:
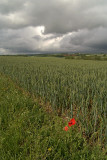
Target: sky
{"x":47,"y":26}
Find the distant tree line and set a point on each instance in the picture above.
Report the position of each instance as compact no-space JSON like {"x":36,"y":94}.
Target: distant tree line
{"x":87,"y":57}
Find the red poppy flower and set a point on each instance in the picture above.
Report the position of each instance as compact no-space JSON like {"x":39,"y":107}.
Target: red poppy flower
{"x":72,"y":122}
{"x":66,"y":128}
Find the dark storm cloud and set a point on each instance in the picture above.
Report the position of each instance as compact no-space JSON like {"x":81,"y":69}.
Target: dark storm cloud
{"x":70,"y":25}
{"x":11,"y":6}
{"x":59,"y":16}
{"x":86,"y":40}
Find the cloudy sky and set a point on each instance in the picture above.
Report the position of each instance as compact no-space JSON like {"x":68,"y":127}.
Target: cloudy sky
{"x":34,"y":26}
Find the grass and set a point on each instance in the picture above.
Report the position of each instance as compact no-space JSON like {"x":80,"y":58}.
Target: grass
{"x":27,"y":132}
{"x":75,"y":87}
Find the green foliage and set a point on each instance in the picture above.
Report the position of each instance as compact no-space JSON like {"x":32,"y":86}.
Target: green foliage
{"x":77,"y":87}
{"x":87,"y":57}
{"x":28,"y":133}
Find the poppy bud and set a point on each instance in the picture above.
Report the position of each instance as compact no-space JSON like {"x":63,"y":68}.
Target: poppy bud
{"x":66,"y":128}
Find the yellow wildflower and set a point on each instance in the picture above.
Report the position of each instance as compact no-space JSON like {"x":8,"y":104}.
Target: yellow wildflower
{"x":49,"y":149}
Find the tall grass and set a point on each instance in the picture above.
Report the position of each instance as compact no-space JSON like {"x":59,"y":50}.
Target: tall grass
{"x":76,"y":86}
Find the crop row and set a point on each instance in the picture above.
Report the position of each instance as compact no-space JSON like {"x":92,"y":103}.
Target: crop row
{"x":76,"y":86}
